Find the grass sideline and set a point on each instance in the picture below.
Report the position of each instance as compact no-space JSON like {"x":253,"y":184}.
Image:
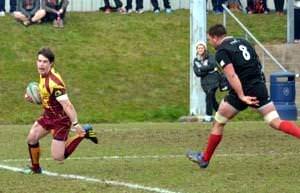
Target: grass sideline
{"x":251,"y":158}
{"x":118,"y":68}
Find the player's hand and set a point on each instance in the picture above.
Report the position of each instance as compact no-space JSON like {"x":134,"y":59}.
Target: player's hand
{"x":79,"y":130}
{"x":249,"y":100}
{"x":28,"y":98}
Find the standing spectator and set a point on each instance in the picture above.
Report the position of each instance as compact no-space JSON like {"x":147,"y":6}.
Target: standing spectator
{"x":139,"y":6}
{"x":12,"y":6}
{"x":29,"y":11}
{"x":279,"y":4}
{"x":118,"y":7}
{"x":55,"y":11}
{"x":217,"y":6}
{"x":243,"y":70}
{"x":2,"y":8}
{"x":156,"y":8}
{"x":205,"y":67}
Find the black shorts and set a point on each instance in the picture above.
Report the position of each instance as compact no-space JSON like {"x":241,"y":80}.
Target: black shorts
{"x":258,"y":89}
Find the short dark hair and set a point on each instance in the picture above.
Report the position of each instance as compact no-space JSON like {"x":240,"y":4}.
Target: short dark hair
{"x":47,"y":52}
{"x":217,"y":30}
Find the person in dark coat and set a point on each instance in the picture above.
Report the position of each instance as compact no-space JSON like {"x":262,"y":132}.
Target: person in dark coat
{"x":55,"y":11}
{"x":205,"y":67}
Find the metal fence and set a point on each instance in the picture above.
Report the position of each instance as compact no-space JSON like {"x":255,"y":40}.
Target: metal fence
{"x":94,"y":5}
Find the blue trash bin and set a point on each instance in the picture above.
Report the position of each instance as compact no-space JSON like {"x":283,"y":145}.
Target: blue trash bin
{"x":282,"y":89}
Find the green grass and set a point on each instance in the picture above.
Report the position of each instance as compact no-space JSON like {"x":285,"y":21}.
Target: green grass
{"x":251,"y":158}
{"x":118,"y":68}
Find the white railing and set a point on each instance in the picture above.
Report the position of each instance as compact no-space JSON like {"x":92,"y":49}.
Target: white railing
{"x":248,"y":33}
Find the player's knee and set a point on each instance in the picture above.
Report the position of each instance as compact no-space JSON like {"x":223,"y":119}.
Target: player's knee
{"x":271,"y":116}
{"x":58,"y":157}
{"x":32,"y":138}
{"x":220,"y":118}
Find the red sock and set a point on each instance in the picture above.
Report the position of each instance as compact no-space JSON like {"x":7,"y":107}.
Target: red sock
{"x":34,"y":152}
{"x":290,"y":128}
{"x":71,"y":145}
{"x":213,"y":142}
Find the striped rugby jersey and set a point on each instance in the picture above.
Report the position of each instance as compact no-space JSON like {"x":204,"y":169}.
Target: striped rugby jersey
{"x":52,"y":86}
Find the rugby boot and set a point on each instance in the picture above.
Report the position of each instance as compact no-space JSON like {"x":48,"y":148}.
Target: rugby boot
{"x":30,"y":170}
{"x":197,"y":157}
{"x":90,"y":133}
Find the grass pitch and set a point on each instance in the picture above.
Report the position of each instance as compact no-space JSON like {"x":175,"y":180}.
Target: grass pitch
{"x":117,"y":68}
{"x":251,"y":158}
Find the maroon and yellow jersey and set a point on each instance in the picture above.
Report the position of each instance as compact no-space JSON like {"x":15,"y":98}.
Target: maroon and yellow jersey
{"x":51,"y":87}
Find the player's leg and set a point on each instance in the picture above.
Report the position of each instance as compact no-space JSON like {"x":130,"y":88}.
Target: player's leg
{"x":72,"y":143}
{"x":268,"y":111}
{"x":62,"y":146}
{"x":271,"y":116}
{"x":35,"y":134}
{"x":225,"y":112}
{"x":58,"y":150}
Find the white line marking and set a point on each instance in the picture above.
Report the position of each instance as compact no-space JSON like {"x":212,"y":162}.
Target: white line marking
{"x":89,"y":179}
{"x":157,"y":156}
{"x":105,"y":158}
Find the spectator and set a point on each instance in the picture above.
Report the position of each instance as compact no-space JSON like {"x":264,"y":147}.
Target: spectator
{"x":217,"y":6}
{"x":118,"y":7}
{"x":55,"y":11}
{"x":12,"y":6}
{"x":234,"y":5}
{"x":257,"y":6}
{"x":139,"y":6}
{"x":279,"y":4}
{"x":29,"y":12}
{"x":2,"y":8}
{"x":156,"y":8}
{"x":205,"y":67}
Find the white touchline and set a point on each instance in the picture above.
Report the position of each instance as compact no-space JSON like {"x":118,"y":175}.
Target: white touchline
{"x":105,"y":157}
{"x":89,"y":179}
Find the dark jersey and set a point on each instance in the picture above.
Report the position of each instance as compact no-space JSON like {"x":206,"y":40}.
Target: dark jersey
{"x":242,"y":55}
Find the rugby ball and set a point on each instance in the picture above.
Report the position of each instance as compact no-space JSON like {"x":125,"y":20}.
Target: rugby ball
{"x":33,"y":92}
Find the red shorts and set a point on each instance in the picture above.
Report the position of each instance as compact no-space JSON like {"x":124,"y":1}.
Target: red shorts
{"x":59,"y":126}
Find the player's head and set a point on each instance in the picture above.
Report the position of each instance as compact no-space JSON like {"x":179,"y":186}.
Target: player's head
{"x":216,"y":33}
{"x":45,"y":60}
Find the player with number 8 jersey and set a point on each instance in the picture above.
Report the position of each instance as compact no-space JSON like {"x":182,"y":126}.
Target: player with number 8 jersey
{"x":243,"y":71}
{"x":242,"y":55}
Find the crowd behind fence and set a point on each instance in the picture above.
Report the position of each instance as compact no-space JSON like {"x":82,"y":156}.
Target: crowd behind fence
{"x":94,"y":5}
